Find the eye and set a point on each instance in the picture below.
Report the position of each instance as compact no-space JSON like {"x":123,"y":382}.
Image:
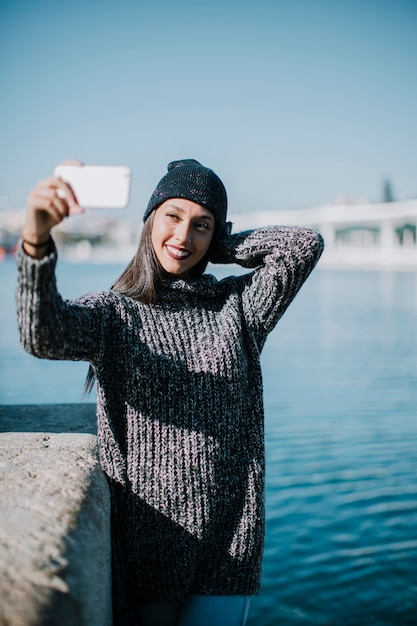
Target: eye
{"x":172,"y":216}
{"x":202,"y":226}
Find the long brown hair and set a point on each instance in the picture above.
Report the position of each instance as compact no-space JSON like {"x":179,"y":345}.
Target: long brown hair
{"x":142,"y":278}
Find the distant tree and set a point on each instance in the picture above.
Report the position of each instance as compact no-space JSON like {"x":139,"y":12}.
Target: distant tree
{"x":387,"y":193}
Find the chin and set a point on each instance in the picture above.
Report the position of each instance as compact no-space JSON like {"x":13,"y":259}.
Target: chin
{"x":179,"y":272}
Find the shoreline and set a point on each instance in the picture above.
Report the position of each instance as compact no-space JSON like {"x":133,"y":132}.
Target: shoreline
{"x":334,"y":258}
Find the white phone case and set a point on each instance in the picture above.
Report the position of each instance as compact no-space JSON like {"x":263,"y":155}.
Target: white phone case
{"x":98,"y":186}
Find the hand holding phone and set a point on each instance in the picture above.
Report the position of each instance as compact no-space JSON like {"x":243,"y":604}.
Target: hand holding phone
{"x":98,"y":186}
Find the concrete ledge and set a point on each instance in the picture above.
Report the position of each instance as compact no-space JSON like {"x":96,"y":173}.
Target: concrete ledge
{"x":55,"y":557}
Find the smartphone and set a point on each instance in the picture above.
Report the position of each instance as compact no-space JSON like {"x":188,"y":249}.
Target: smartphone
{"x":98,"y":186}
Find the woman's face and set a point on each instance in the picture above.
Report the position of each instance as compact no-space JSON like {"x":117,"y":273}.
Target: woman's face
{"x":181,"y":235}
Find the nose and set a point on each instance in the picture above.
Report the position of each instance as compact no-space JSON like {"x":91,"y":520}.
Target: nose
{"x":183,"y":232}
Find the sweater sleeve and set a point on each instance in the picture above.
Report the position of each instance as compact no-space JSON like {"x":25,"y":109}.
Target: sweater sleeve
{"x":49,"y":326}
{"x":283,"y":258}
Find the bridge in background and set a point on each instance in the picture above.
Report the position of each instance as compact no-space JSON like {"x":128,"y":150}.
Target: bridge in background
{"x":356,"y":234}
{"x":362,"y":234}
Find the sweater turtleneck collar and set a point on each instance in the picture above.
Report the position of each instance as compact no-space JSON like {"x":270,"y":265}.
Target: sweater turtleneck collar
{"x":205,"y":285}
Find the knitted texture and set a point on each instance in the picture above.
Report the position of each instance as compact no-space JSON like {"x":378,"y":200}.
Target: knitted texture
{"x":180,"y":410}
{"x":190,"y":180}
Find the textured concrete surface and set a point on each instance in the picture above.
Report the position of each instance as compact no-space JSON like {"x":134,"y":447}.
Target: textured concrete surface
{"x":55,"y":559}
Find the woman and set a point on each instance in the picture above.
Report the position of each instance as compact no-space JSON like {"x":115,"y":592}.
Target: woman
{"x":180,"y":411}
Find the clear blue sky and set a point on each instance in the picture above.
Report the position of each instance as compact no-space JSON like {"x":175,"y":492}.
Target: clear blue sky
{"x":293,"y":103}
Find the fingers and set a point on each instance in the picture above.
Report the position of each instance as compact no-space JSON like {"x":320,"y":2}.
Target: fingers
{"x":49,"y":203}
{"x":62,"y":189}
{"x":54,"y":197}
{"x":49,"y":199}
{"x":64,"y":193}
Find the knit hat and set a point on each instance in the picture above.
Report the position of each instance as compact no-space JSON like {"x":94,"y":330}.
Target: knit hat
{"x":190,"y":180}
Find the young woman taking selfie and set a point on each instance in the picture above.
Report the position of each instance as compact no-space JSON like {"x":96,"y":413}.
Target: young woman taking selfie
{"x":175,"y":355}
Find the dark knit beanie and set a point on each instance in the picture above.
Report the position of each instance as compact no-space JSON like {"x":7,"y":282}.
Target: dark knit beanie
{"x":190,"y":180}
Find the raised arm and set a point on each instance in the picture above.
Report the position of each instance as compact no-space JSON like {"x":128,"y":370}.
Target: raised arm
{"x":50,"y":327}
{"x":283,"y":258}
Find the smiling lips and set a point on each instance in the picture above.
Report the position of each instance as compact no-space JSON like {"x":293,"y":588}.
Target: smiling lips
{"x":179,"y":254}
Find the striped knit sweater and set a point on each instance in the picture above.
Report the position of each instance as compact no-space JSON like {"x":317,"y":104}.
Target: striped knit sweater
{"x":179,"y":409}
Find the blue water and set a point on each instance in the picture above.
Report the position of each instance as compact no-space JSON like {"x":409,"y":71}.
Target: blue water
{"x":340,"y":375}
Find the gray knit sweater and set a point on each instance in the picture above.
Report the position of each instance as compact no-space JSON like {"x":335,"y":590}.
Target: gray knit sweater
{"x":180,"y":410}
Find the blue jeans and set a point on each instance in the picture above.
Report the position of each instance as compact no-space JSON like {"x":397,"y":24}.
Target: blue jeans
{"x":197,"y":611}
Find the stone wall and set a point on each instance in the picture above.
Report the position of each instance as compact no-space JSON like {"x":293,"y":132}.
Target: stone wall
{"x":55,"y":558}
